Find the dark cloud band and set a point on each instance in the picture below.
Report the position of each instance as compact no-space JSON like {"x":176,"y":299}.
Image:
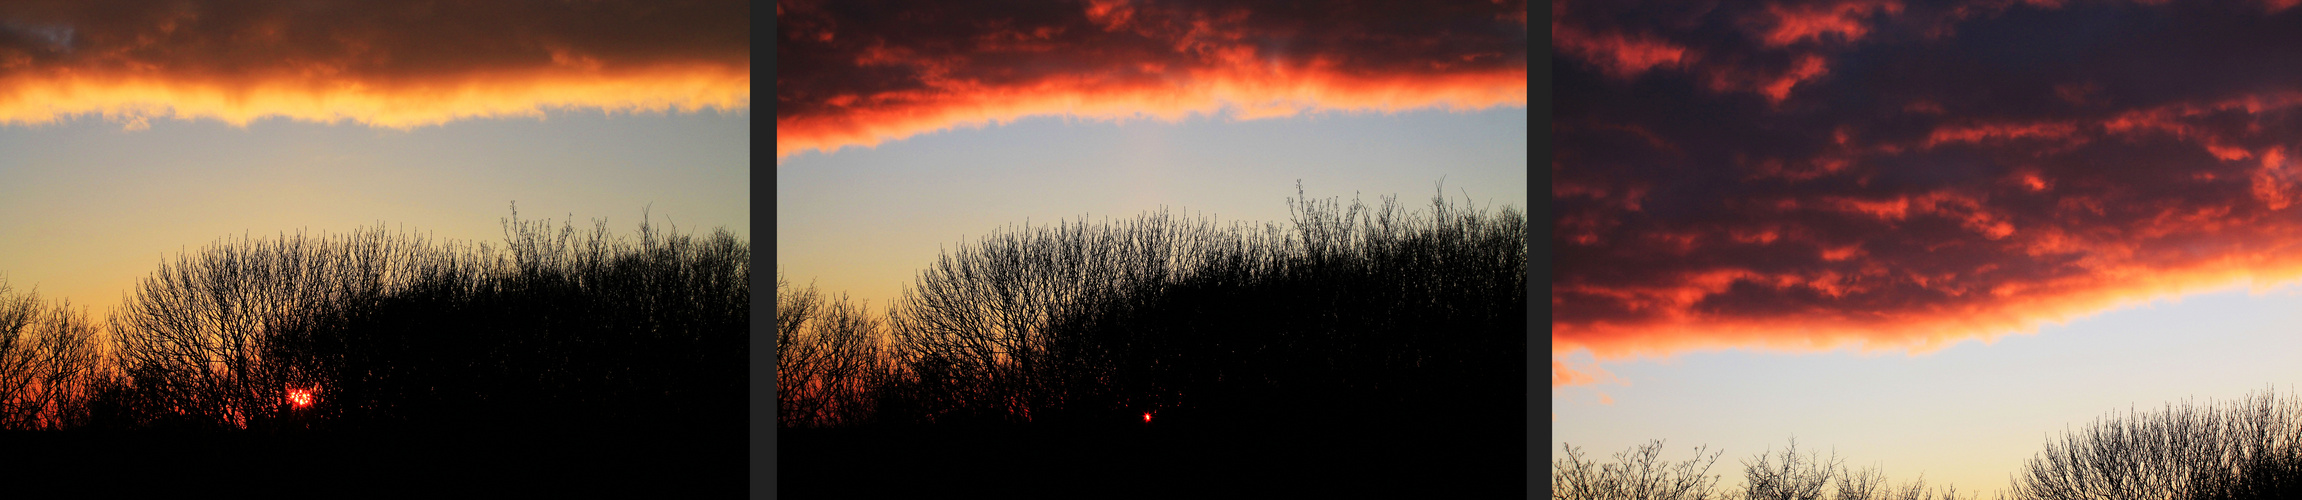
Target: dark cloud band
{"x":1809,"y":175}
{"x":385,"y":63}
{"x":857,"y":73}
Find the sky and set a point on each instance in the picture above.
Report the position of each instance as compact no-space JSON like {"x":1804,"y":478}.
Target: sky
{"x":131,"y":134}
{"x":1929,"y":235}
{"x":903,"y":133}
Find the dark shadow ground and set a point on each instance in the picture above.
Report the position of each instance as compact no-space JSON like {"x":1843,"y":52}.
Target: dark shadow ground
{"x":1469,"y":461}
{"x":383,"y":464}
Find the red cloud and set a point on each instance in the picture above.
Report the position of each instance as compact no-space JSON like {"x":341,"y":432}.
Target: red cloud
{"x":1999,"y":131}
{"x":1794,"y":24}
{"x":1622,"y":56}
{"x":849,"y":77}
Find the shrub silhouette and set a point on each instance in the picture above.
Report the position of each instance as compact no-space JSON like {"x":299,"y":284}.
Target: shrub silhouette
{"x":2250,"y":448}
{"x":2245,"y":449}
{"x":1639,"y":474}
{"x":1349,"y":315}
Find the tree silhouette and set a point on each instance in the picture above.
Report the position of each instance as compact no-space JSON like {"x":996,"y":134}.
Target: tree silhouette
{"x":828,"y":357}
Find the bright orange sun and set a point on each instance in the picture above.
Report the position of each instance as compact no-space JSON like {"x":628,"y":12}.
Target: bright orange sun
{"x":1146,"y":417}
{"x":300,"y":397}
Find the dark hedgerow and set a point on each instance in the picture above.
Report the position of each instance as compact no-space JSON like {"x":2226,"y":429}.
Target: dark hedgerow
{"x":394,"y":331}
{"x":1352,"y":348}
{"x":1348,"y":315}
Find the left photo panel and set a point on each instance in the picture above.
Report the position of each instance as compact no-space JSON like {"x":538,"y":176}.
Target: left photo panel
{"x":399,"y":241}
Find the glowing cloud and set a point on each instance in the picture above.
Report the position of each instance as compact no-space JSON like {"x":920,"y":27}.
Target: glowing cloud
{"x":1887,"y":175}
{"x":1843,"y":21}
{"x":857,"y":77}
{"x":383,"y":64}
{"x":1620,"y":55}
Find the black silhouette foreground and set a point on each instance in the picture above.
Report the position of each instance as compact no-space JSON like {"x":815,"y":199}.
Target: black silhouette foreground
{"x":2245,"y":449}
{"x":1356,"y":348}
{"x":392,"y":357}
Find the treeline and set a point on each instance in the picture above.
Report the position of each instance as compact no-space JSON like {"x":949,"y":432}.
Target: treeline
{"x":379,"y":330}
{"x":1345,"y":315}
{"x":2245,"y":449}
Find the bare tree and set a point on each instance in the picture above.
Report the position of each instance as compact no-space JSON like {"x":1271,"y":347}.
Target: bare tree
{"x":195,"y":334}
{"x":1795,"y":478}
{"x":828,"y":358}
{"x":1866,"y":484}
{"x":1917,"y":490}
{"x":795,"y":358}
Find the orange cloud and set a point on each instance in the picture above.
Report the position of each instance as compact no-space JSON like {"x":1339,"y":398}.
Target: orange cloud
{"x":1248,"y":96}
{"x":35,"y":100}
{"x":1674,"y":321}
{"x":1563,"y":375}
{"x":382,"y":64}
{"x":850,"y":78}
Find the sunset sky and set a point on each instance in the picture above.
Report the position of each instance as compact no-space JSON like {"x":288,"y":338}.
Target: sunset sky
{"x":1928,"y":235}
{"x":903,"y":132}
{"x":132,"y":131}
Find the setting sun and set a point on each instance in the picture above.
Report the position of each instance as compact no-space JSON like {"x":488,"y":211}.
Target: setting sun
{"x":300,"y":397}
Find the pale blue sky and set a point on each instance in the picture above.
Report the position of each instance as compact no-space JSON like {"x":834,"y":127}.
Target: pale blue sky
{"x":1971,"y":414}
{"x":87,"y":207}
{"x":866,"y":220}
